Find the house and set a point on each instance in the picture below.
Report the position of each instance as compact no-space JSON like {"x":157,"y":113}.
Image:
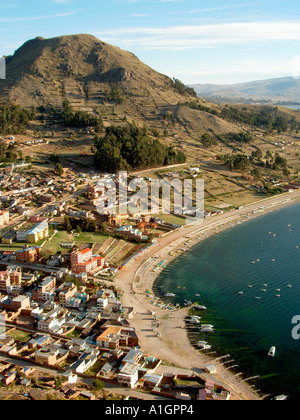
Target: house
{"x":85,"y":361}
{"x":4,"y":217}
{"x":88,"y":395}
{"x":110,"y":338}
{"x":15,"y":304}
{"x":128,"y":375}
{"x":66,"y":292}
{"x":130,"y":233}
{"x":8,"y":378}
{"x":106,"y":369}
{"x":133,"y":357}
{"x":151,"y":381}
{"x":69,"y":377}
{"x":46,"y":290}
{"x":51,"y":355}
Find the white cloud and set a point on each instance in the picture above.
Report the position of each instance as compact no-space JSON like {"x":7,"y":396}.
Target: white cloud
{"x":195,"y":36}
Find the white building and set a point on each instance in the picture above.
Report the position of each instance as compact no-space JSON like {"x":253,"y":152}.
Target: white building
{"x":128,"y":375}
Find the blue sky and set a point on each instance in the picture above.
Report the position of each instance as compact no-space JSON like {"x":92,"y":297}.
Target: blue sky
{"x":196,"y":41}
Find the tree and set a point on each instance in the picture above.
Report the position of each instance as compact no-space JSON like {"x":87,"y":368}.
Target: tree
{"x":59,"y":169}
{"x":208,"y":140}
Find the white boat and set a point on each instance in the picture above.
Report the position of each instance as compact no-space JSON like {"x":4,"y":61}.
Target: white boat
{"x":280,"y":398}
{"x":204,"y":346}
{"x":207,"y":326}
{"x":200,"y":307}
{"x":201,"y":343}
{"x":169,"y":295}
{"x":272,"y":351}
{"x":241,"y":293}
{"x":194,"y":321}
{"x":206,"y":329}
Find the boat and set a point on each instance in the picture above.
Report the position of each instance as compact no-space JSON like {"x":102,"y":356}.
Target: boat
{"x":207,"y":326}
{"x":241,"y":293}
{"x":289,"y":286}
{"x":187,"y":303}
{"x":204,"y":346}
{"x":201,"y":342}
{"x":257,"y":298}
{"x":280,"y":398}
{"x":200,"y":307}
{"x":272,"y":351}
{"x":194,"y":321}
{"x":206,"y":330}
{"x":169,"y":295}
{"x":250,"y":286}
{"x":197,"y":294}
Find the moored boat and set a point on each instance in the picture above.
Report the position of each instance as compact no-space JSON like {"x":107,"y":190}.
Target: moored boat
{"x":272,"y":351}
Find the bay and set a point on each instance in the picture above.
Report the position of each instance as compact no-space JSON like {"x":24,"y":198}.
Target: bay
{"x":263,"y":253}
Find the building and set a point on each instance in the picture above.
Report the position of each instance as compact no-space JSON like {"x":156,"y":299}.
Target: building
{"x":130,"y":233}
{"x":128,"y":375}
{"x":20,"y":302}
{"x":133,"y":357}
{"x":117,"y":219}
{"x":85,"y":262}
{"x":46,"y":290}
{"x":38,"y":233}
{"x":11,"y":281}
{"x":29,"y":255}
{"x":102,"y":303}
{"x":4,"y":217}
{"x":110,"y":338}
{"x":67,"y":291}
{"x":8,"y":237}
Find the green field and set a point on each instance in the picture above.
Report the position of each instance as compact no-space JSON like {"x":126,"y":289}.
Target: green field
{"x":84,"y":239}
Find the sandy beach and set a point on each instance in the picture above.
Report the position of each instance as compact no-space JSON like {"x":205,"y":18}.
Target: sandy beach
{"x":173,"y":346}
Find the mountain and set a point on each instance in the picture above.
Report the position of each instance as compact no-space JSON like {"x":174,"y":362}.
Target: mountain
{"x":104,"y":80}
{"x":78,"y":68}
{"x":282,"y":90}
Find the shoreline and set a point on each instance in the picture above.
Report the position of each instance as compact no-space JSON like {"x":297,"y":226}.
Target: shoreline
{"x":174,"y":346}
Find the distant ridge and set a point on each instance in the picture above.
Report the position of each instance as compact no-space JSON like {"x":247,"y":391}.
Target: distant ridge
{"x":285,"y":89}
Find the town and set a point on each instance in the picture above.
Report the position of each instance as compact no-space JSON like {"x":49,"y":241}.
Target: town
{"x":59,"y":306}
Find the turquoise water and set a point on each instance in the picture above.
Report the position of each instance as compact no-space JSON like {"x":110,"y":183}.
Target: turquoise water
{"x":246,"y":327}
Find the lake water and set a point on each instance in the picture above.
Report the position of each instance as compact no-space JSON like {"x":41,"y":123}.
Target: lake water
{"x":263,"y":253}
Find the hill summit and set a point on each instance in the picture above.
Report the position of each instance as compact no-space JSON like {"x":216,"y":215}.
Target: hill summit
{"x":83,"y":70}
